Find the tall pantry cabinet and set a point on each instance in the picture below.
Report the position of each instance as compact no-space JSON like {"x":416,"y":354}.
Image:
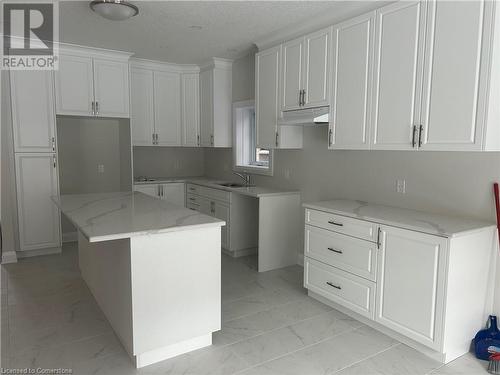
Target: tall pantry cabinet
{"x":34,"y":133}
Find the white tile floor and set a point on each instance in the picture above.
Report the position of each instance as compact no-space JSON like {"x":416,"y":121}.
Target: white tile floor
{"x":270,"y":326}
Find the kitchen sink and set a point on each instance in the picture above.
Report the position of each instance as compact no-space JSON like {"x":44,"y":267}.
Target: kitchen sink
{"x":232,"y":184}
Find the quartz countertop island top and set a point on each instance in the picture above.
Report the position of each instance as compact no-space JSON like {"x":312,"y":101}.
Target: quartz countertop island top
{"x":440,"y":225}
{"x":112,"y":216}
{"x":252,"y":191}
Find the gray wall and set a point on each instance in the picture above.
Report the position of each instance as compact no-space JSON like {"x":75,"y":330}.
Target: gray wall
{"x":168,"y":161}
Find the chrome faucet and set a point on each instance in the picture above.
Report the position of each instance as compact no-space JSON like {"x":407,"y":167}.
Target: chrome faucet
{"x":245,"y":177}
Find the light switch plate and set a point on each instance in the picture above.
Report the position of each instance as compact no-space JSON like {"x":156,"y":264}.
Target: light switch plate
{"x":401,"y":186}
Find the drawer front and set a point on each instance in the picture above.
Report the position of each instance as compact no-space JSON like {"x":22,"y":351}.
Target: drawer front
{"x":349,"y":254}
{"x":193,"y":206}
{"x":216,"y":194}
{"x":193,"y":199}
{"x":352,"y":292}
{"x":342,"y":224}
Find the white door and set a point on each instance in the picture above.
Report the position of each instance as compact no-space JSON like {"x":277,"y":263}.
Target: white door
{"x":452,"y":112}
{"x":33,"y":118}
{"x":174,"y":193}
{"x":317,"y":62}
{"x":111,"y":91}
{"x":190,"y":110}
{"x":267,"y":96}
{"x":221,"y":211}
{"x":352,"y":79}
{"x":400,"y":29}
{"x":167,"y":99}
{"x":206,"y":109}
{"x":74,"y":86}
{"x":39,"y":218}
{"x":410,"y":284}
{"x":291,"y":72}
{"x":152,"y":190}
{"x":141,"y":106}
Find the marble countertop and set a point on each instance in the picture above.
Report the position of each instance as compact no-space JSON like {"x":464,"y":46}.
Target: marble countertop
{"x":253,"y":191}
{"x":441,"y":225}
{"x":112,"y":216}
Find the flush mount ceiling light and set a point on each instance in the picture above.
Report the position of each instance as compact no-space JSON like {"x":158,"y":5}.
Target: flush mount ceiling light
{"x":116,"y":10}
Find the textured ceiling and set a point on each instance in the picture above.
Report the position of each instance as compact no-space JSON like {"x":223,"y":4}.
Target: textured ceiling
{"x":162,"y":30}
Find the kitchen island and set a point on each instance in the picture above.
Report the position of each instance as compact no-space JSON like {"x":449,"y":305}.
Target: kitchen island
{"x":153,"y":267}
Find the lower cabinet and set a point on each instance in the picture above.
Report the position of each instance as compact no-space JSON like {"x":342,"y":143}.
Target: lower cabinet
{"x":429,"y":291}
{"x":39,"y":219}
{"x":170,"y":192}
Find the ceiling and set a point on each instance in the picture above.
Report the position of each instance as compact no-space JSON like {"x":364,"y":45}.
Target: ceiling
{"x":170,"y":30}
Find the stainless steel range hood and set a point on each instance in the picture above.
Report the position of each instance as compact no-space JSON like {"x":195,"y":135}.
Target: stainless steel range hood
{"x":306,"y":116}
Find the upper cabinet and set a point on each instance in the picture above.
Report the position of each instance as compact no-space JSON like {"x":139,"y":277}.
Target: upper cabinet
{"x":92,"y":83}
{"x":33,"y":116}
{"x":164,"y":104}
{"x":216,"y":104}
{"x":305,"y":71}
{"x":352,"y":43}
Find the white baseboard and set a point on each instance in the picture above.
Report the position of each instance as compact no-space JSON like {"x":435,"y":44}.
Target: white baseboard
{"x":9,"y":257}
{"x":34,"y":253}
{"x":300,"y":259}
{"x":70,"y":237}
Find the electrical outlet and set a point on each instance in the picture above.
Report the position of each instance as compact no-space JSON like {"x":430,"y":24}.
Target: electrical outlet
{"x":401,"y":186}
{"x":100,"y":168}
{"x":286,"y":173}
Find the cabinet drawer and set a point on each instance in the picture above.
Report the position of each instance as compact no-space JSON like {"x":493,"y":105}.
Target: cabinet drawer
{"x":193,"y":206}
{"x":342,"y":224}
{"x":192,"y":189}
{"x":344,"y":252}
{"x":352,"y":292}
{"x":193,"y":199}
{"x":210,"y":193}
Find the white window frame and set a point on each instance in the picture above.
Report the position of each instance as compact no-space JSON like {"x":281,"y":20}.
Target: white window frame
{"x":237,"y":144}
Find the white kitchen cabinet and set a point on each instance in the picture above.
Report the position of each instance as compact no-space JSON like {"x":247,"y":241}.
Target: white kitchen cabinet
{"x":111,"y":88}
{"x":142,"y":106}
{"x":221,"y":211}
{"x":75,"y":86}
{"x":399,"y":46}
{"x":33,"y":117}
{"x":352,"y":42}
{"x":410,"y":284}
{"x":305,"y":71}
{"x":269,"y":134}
{"x":92,"y":83}
{"x":167,"y":108}
{"x":190,"y":109}
{"x":152,"y":190}
{"x":171,"y":192}
{"x":216,"y":104}
{"x":39,"y":218}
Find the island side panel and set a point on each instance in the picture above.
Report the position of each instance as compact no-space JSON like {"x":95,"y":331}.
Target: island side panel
{"x":105,"y":267}
{"x":176,"y":292}
{"x":279,"y":231}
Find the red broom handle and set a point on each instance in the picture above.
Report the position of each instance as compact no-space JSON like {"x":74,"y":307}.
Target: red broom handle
{"x":497,"y":204}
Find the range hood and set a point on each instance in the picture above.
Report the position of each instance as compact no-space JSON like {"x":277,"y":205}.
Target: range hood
{"x":306,"y":116}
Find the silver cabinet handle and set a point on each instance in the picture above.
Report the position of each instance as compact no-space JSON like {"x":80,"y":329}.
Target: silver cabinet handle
{"x":198,"y":139}
{"x":335,"y":250}
{"x":157,"y":137}
{"x":333,"y":285}
{"x":330,"y":133}
{"x":304,"y":97}
{"x":153,"y":136}
{"x":420,"y":131}
{"x":212,"y":207}
{"x":54,"y":161}
{"x":212,"y":140}
{"x":378,"y":237}
{"x":413,"y":142}
{"x":97,"y":108}
{"x":192,"y":199}
{"x":93,"y":108}
{"x":335,"y":223}
{"x":276,"y":142}
{"x":53,"y":140}
{"x":300,"y":97}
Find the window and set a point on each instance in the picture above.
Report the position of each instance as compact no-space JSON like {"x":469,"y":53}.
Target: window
{"x":247,"y":156}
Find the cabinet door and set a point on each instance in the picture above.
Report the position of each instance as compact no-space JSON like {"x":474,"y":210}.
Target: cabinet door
{"x":190,"y":110}
{"x":291,"y":71}
{"x":33,"y":115}
{"x":398,"y":74}
{"x":221,"y":211}
{"x":267,"y":96}
{"x":205,"y":206}
{"x":111,"y":91}
{"x":410,"y":284}
{"x":206,"y":108}
{"x":174,"y":193}
{"x":74,"y":86}
{"x":452,"y":112}
{"x":39,"y":218}
{"x":352,"y":79}
{"x":167,"y":104}
{"x":317,"y":68}
{"x":141,"y":111}
{"x":149,"y":189}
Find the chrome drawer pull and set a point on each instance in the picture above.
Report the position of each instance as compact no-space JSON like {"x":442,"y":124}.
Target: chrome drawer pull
{"x":335,"y":250}
{"x":192,"y":199}
{"x":334,"y":223}
{"x":333,"y":285}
